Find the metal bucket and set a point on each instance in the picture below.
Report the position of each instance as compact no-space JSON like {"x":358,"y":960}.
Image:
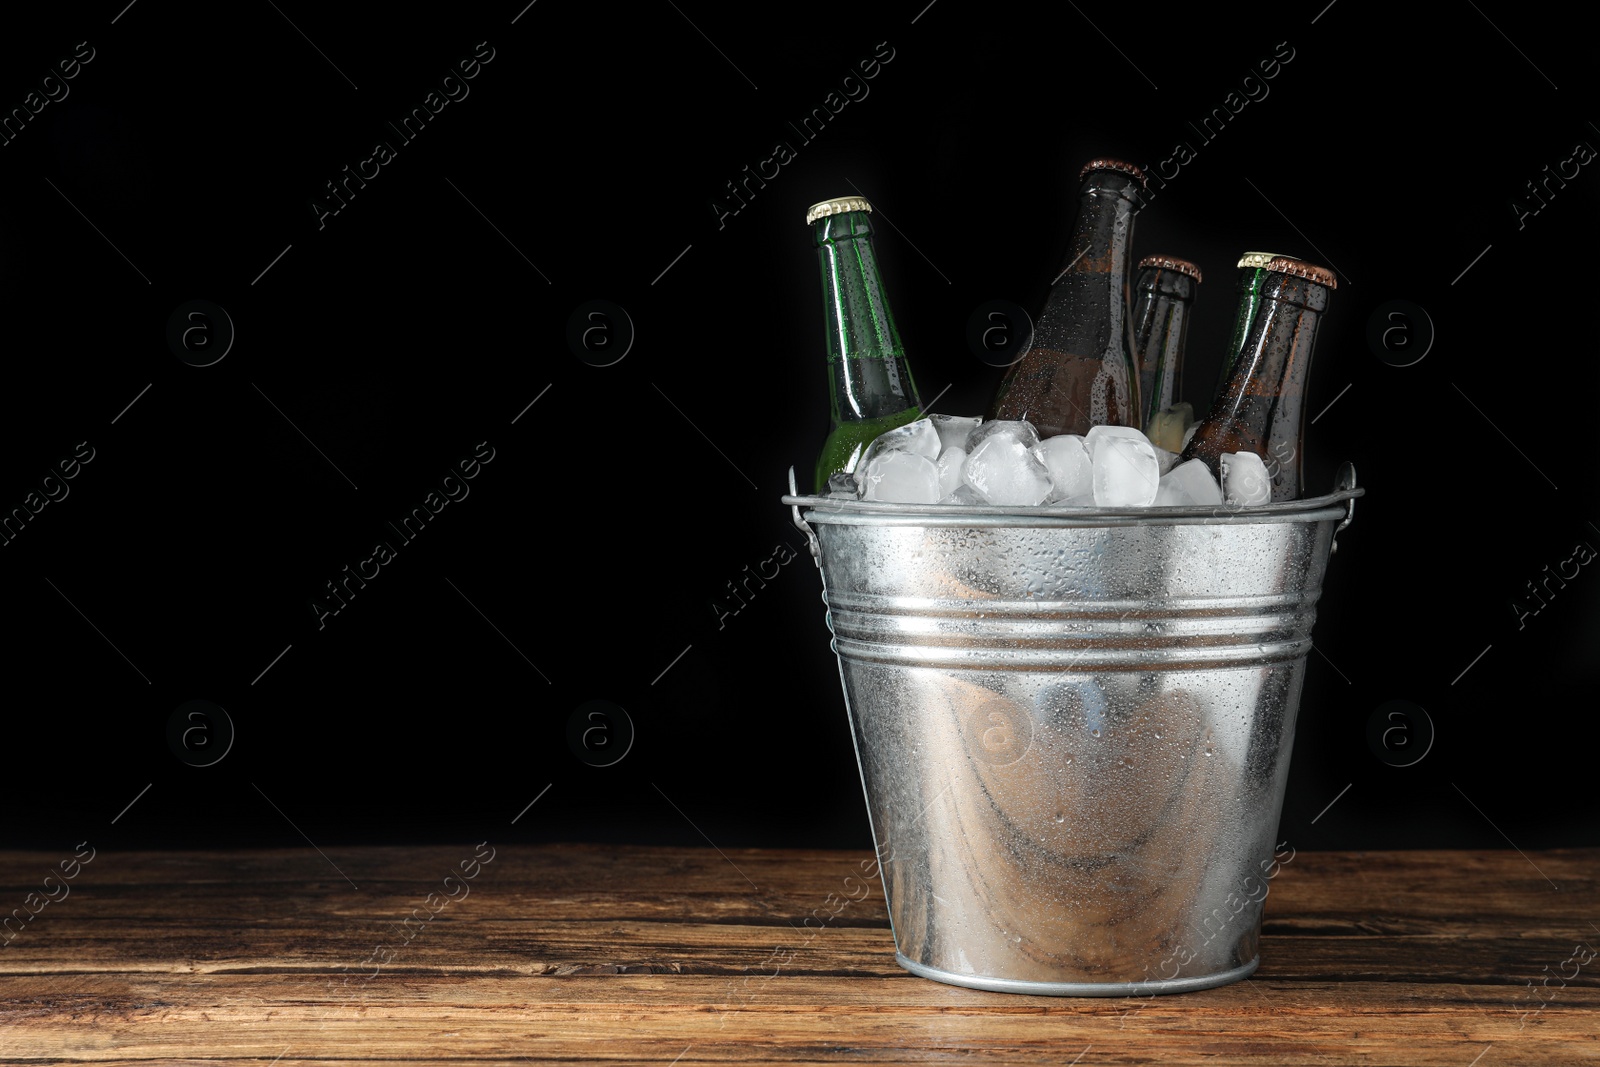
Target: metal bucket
{"x":1073,"y":727}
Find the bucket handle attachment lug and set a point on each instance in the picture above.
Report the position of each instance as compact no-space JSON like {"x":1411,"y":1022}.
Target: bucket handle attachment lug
{"x":1345,"y":481}
{"x":805,"y":527}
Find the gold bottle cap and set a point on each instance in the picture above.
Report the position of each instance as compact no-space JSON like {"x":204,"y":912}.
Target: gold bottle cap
{"x":1257,"y":259}
{"x":1301,"y":269}
{"x":1182,"y":266}
{"x":1117,"y":165}
{"x":836,"y":206}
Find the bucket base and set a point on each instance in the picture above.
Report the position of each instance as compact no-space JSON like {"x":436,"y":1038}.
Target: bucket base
{"x":1080,"y":989}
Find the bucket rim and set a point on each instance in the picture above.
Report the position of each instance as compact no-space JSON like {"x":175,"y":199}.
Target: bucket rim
{"x":1338,"y":504}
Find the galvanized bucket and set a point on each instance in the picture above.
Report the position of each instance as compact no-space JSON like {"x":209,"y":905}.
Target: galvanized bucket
{"x":1073,"y":727}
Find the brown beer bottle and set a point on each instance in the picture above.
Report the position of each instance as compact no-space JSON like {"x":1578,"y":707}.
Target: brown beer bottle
{"x":1260,"y":407}
{"x":1163,"y":295}
{"x":1080,"y":371}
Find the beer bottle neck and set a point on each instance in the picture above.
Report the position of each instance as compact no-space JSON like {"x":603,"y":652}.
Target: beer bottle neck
{"x":1274,"y":333}
{"x":1086,"y":307}
{"x":856,"y":312}
{"x":1161,"y":324}
{"x":1249,"y":288}
{"x":866,"y":360}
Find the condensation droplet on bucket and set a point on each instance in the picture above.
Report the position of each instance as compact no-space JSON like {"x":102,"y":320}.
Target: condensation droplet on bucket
{"x":1095,"y":732}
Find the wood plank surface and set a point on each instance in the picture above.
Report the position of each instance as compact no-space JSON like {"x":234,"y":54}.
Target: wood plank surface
{"x":580,"y":953}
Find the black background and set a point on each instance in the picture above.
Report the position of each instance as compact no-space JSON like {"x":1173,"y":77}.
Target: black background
{"x":382,"y":347}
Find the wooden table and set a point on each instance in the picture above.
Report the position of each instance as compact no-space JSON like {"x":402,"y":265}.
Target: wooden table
{"x":578,"y":953}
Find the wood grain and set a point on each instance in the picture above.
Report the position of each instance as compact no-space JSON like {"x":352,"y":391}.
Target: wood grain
{"x":578,"y":953}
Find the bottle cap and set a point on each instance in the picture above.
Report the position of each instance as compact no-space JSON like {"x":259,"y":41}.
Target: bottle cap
{"x":1182,"y":266}
{"x":1257,"y":259}
{"x":836,"y":206}
{"x":1117,"y":165}
{"x":1301,"y":269}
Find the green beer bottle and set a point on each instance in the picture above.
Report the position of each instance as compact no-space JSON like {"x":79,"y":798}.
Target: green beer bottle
{"x":1252,"y":268}
{"x":869,"y":380}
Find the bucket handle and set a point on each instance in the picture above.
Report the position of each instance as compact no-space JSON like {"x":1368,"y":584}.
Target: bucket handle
{"x":1345,"y":482}
{"x":811,"y":536}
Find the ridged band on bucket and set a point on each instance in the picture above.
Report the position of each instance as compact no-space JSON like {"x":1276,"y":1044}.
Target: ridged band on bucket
{"x":1041,"y":634}
{"x":1073,"y":728}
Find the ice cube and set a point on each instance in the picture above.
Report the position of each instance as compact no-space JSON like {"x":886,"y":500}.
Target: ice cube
{"x":964,"y":494}
{"x":900,"y":477}
{"x":1021,"y":430}
{"x":919,"y":438}
{"x":1126,"y":471}
{"x":841,"y":483}
{"x":1082,"y":500}
{"x":950,"y":461}
{"x":1189,"y":483}
{"x":1004,"y":470}
{"x":1068,"y":462}
{"x":1244,"y":479}
{"x":1188,"y":435}
{"x":1166,"y":460}
{"x":1097,"y":434}
{"x":954,"y":430}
